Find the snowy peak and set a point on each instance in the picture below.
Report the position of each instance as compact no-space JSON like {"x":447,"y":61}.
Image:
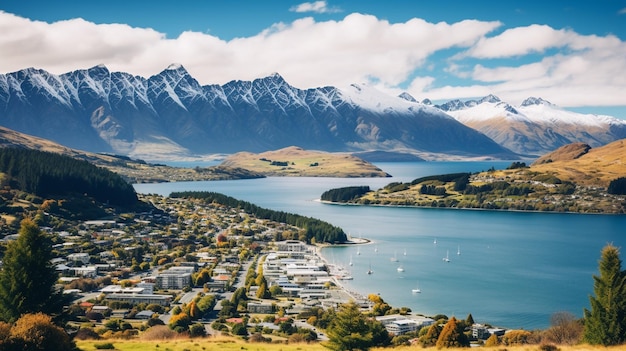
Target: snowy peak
{"x":536,"y":101}
{"x":408,"y":97}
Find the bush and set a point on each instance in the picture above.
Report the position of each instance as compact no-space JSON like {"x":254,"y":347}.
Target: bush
{"x":104,"y":346}
{"x":86,"y":334}
{"x":158,"y":332}
{"x":37,"y":332}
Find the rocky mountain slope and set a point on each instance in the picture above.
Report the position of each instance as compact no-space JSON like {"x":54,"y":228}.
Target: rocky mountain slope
{"x":536,"y":126}
{"x":170,"y":114}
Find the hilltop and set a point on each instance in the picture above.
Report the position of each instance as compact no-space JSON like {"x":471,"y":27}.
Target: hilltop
{"x":295,"y":161}
{"x":573,"y":178}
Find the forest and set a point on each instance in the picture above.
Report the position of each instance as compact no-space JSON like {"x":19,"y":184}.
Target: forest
{"x":46,"y":175}
{"x":314,"y":228}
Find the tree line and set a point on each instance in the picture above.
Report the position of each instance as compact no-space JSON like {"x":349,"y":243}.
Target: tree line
{"x":314,"y":228}
{"x":345,"y":194}
{"x":47,"y":174}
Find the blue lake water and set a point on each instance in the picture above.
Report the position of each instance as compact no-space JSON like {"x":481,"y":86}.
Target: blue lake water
{"x":514,"y":269}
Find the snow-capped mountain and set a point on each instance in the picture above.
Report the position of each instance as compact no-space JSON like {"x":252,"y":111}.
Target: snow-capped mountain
{"x":536,"y":126}
{"x":171,"y":114}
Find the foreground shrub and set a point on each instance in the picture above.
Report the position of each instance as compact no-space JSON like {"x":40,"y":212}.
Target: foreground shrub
{"x":86,"y":334}
{"x":158,"y":332}
{"x":37,"y":332}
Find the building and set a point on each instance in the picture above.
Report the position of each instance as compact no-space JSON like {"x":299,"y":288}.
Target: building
{"x":260,"y":307}
{"x":174,"y":278}
{"x":398,"y":324}
{"x":163,"y":300}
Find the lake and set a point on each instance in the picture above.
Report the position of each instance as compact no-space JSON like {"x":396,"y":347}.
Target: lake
{"x":514,"y":270}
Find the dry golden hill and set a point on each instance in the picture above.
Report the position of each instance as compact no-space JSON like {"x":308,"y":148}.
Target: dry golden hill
{"x":597,"y":167}
{"x":294,"y":161}
{"x":565,"y":153}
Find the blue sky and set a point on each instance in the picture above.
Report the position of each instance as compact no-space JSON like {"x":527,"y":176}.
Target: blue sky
{"x":572,"y":53}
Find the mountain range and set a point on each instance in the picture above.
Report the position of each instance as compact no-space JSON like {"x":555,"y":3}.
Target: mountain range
{"x":170,"y":115}
{"x":536,"y":126}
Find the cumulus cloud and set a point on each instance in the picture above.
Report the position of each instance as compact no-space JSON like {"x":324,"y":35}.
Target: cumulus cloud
{"x":622,"y":11}
{"x":572,"y":70}
{"x":316,"y":7}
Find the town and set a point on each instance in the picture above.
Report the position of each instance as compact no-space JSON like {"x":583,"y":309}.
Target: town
{"x":207,"y":269}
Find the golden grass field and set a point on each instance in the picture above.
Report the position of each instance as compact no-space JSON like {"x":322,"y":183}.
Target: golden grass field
{"x":232,"y":344}
{"x":300,"y":164}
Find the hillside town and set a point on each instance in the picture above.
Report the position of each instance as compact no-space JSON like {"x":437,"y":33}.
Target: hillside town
{"x":219,"y":266}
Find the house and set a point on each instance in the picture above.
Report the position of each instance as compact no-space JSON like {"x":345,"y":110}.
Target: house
{"x":398,"y":324}
{"x":260,"y":307}
{"x":79,"y":257}
{"x":163,"y":300}
{"x":147,"y":314}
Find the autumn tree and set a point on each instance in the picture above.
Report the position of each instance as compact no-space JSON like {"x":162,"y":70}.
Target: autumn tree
{"x":27,"y":277}
{"x":431,"y":336}
{"x":352,"y":330}
{"x":605,"y":323}
{"x":492,"y":341}
{"x":38,"y":332}
{"x":452,"y":335}
{"x":565,"y":329}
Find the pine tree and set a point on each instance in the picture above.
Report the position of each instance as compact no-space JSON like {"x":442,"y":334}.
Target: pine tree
{"x":605,"y":323}
{"x":452,"y":336}
{"x":351,"y":330}
{"x":27,"y":277}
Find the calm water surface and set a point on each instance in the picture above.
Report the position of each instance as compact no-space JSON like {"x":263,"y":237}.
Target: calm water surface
{"x":514,"y":269}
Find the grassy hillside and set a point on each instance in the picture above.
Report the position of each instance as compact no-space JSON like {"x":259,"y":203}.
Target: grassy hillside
{"x":294,"y":161}
{"x":232,"y":344}
{"x":596,"y":167}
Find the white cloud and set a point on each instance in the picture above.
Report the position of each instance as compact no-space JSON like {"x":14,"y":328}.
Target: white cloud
{"x":316,"y":7}
{"x":573,"y":69}
{"x":622,"y":11}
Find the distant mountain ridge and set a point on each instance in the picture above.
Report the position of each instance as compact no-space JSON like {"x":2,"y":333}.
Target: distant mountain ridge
{"x":170,"y":114}
{"x":536,"y":126}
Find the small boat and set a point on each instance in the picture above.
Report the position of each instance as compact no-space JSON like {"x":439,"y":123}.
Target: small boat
{"x":400,"y":269}
{"x":394,"y":258}
{"x":358,"y":251}
{"x":404,"y":252}
{"x":370,"y":271}
{"x":435,"y":241}
{"x":458,"y":250}
{"x":350,"y":263}
{"x":416,"y":290}
{"x":447,"y":259}
{"x":376,"y":249}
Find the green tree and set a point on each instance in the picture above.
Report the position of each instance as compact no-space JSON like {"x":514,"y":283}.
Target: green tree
{"x":605,"y":323}
{"x":452,"y":336}
{"x":431,"y":336}
{"x":263,"y":292}
{"x":351,"y":330}
{"x":27,"y":277}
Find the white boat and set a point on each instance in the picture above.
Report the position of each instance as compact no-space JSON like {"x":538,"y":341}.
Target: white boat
{"x":358,"y":251}
{"x":404,"y":252}
{"x":350,"y":263}
{"x":435,"y":241}
{"x":458,"y":250}
{"x":395,"y":257}
{"x":400,"y":269}
{"x":416,"y":290}
{"x":447,"y":259}
{"x":376,"y":249}
{"x":370,"y":271}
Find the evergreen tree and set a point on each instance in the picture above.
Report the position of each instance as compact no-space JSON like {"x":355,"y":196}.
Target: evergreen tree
{"x":452,"y":336}
{"x":263,"y":292}
{"x":605,"y":323}
{"x":351,"y":330}
{"x":432,"y":335}
{"x":469,"y":321}
{"x":27,"y":277}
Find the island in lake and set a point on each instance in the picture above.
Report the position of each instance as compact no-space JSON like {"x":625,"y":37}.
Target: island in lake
{"x":574,"y":178}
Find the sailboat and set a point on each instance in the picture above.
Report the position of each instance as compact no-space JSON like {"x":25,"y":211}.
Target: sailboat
{"x":370,"y":271}
{"x":404,"y":252}
{"x":400,"y":269}
{"x":376,"y":249}
{"x":447,"y":259}
{"x":435,"y":241}
{"x":358,"y":251}
{"x":395,"y":257}
{"x":350,"y":263}
{"x":458,"y":250}
{"x":416,"y":290}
